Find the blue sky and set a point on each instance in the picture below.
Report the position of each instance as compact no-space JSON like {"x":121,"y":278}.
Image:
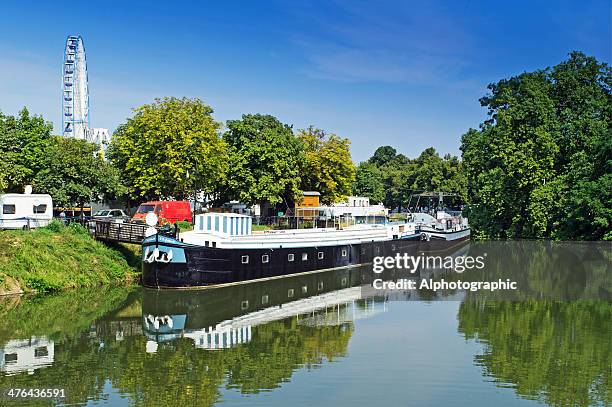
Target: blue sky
{"x":408,"y":74}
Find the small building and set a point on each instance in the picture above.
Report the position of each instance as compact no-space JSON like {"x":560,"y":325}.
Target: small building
{"x":27,"y":210}
{"x":310,"y":199}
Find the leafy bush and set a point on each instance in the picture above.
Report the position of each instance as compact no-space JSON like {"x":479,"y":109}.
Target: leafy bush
{"x":55,"y":226}
{"x":77,"y":229}
{"x":183,"y":225}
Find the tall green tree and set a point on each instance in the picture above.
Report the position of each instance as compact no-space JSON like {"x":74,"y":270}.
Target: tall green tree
{"x":74,"y":173}
{"x":369,"y":182}
{"x":539,"y":167}
{"x":170,"y":148}
{"x":23,"y":140}
{"x":265,"y":159}
{"x":328,"y":167}
{"x":396,"y":177}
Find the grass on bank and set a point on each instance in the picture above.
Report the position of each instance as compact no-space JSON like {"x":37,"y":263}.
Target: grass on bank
{"x":59,"y":257}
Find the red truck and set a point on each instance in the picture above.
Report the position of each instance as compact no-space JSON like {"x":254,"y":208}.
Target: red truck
{"x":166,"y":211}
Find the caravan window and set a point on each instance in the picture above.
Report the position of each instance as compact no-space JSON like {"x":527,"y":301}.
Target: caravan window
{"x":8,"y":209}
{"x":42,"y":208}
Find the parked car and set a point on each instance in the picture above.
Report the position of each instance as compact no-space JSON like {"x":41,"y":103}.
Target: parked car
{"x":166,"y":211}
{"x":113,"y":215}
{"x":24,"y":211}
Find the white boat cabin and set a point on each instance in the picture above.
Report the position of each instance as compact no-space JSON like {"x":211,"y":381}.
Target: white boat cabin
{"x":223,"y":224}
{"x":231,"y":230}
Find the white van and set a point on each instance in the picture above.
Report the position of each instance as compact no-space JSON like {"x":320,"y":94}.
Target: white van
{"x":22,"y":211}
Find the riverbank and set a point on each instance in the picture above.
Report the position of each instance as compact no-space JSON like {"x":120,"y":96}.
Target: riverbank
{"x":58,"y":258}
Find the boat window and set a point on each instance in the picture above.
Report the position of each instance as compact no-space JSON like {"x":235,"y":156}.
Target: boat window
{"x":8,"y":209}
{"x":304,"y":289}
{"x":42,"y":208}
{"x":101,"y":213}
{"x":264,"y":299}
{"x":244,"y":304}
{"x":290,"y":257}
{"x":343,"y":252}
{"x":265,"y":258}
{"x":320,"y":255}
{"x":245,"y":259}
{"x":41,"y":351}
{"x":304,"y":256}
{"x":290,"y":292}
{"x":214,"y":244}
{"x":158,"y":209}
{"x":320,"y":285}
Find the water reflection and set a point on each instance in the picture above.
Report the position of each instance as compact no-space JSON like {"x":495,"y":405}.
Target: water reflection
{"x":556,"y":352}
{"x":225,"y":317}
{"x":147,"y":347}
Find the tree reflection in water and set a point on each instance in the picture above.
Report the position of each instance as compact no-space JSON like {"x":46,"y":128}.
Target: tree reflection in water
{"x":556,"y":352}
{"x":545,"y":348}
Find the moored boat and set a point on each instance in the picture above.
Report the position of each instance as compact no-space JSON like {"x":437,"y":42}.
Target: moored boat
{"x":222,"y":249}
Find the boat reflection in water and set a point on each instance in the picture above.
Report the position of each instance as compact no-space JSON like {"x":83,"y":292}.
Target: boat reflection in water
{"x":222,"y":317}
{"x":227,"y":316}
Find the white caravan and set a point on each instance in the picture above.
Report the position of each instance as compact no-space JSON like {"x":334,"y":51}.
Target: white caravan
{"x":22,"y":211}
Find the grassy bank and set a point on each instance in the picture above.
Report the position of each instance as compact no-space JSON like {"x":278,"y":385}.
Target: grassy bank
{"x":60,"y":257}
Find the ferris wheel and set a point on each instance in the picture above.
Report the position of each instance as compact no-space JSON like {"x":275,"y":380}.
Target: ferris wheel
{"x":75,"y":95}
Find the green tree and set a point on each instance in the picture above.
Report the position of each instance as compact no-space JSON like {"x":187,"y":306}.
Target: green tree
{"x":383,"y":155}
{"x":328,"y":167}
{"x":23,"y":140}
{"x":399,"y":177}
{"x":540,"y":167}
{"x":74,"y":174}
{"x":170,"y":148}
{"x":265,"y":159}
{"x":369,"y":182}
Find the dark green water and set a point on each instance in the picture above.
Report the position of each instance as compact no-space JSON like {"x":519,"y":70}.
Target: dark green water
{"x":328,"y":339}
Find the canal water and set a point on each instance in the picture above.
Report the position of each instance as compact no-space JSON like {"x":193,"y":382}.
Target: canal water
{"x":330,"y":339}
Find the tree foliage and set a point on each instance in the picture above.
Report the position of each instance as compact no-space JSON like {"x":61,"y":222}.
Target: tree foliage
{"x":392,"y":178}
{"x":541,"y":165}
{"x":70,"y":170}
{"x":74,"y":173}
{"x":369,"y":182}
{"x":327,"y":167}
{"x":265,"y":159}
{"x":170,"y":148}
{"x":23,"y":140}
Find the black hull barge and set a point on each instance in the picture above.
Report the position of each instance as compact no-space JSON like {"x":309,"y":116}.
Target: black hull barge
{"x":222,"y":250}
